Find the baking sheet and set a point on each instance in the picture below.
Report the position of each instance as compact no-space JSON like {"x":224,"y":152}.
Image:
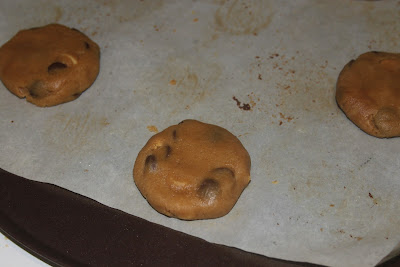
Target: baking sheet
{"x":322,"y":191}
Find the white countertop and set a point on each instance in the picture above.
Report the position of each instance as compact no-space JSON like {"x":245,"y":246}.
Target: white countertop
{"x":12,"y":255}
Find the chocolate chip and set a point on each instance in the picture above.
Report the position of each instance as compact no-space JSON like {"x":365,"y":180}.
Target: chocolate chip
{"x":169,"y":150}
{"x":33,"y":94}
{"x":37,"y":90}
{"x":351,"y":62}
{"x":209,"y":189}
{"x":217,"y":135}
{"x":174,"y":136}
{"x":151,"y":163}
{"x":386,"y":119}
{"x":76,"y":95}
{"x":55,"y":67}
{"x":87,"y":45}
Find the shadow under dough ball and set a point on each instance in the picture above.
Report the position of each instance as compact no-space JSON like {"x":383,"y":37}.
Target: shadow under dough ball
{"x":192,"y":171}
{"x":49,"y":65}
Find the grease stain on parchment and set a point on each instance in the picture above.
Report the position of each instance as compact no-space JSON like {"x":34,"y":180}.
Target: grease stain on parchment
{"x":127,"y":10}
{"x":300,"y":86}
{"x":152,"y":128}
{"x":72,"y":132}
{"x":347,"y":210}
{"x":180,"y":82}
{"x":384,"y":26}
{"x":58,"y":13}
{"x":91,"y":17}
{"x":45,"y":12}
{"x":243,"y":17}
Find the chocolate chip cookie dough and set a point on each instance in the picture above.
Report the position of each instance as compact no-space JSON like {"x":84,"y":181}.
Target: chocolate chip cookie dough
{"x":192,"y":171}
{"x":368,"y":92}
{"x":49,"y":65}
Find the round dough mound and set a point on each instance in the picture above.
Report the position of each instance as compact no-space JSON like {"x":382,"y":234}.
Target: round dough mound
{"x":192,"y":171}
{"x":49,"y":65}
{"x":368,"y":92}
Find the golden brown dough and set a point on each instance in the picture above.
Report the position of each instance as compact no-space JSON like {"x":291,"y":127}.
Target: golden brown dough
{"x":49,"y":65}
{"x":192,"y":170}
{"x":368,"y":92}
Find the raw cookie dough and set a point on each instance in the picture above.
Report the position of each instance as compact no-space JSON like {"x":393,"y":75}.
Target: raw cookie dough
{"x":49,"y":65}
{"x":192,"y":171}
{"x":368,"y":92}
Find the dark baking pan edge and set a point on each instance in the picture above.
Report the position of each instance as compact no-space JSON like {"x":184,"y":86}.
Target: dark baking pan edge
{"x":63,"y":228}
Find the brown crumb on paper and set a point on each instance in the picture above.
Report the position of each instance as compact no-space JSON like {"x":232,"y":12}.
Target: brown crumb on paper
{"x":104,"y":122}
{"x":172,"y":82}
{"x":275,"y":182}
{"x":274,"y":55}
{"x":356,"y":237}
{"x":152,"y":128}
{"x":285,"y":118}
{"x":370,"y":195}
{"x":245,"y":106}
{"x":253,"y":99}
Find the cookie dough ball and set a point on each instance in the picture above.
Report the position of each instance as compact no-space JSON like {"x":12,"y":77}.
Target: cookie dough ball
{"x":368,"y":92}
{"x":192,"y":170}
{"x":49,"y":65}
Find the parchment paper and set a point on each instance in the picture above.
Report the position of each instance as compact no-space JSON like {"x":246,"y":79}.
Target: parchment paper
{"x":322,"y":190}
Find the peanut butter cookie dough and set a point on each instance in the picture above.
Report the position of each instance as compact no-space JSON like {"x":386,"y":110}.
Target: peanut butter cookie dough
{"x":192,"y":171}
{"x":368,"y":92}
{"x":49,"y":65}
